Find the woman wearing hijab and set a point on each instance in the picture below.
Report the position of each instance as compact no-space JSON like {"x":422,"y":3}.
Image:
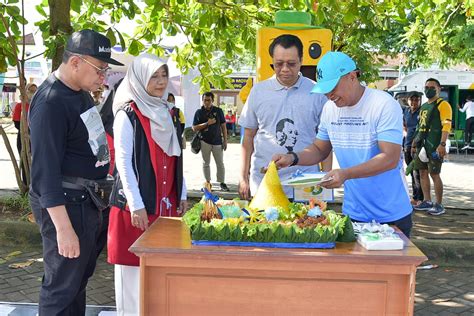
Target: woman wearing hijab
{"x":149,"y":182}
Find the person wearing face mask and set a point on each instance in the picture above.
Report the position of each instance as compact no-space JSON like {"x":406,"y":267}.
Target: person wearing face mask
{"x":181,"y":119}
{"x":148,"y":158}
{"x":279,"y":116}
{"x":364,"y":127}
{"x":429,"y":146}
{"x":16,"y":118}
{"x":410,"y":121}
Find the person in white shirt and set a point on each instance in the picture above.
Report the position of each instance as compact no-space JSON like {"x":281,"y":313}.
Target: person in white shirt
{"x":280,"y":116}
{"x":150,"y":179}
{"x":468,"y":108}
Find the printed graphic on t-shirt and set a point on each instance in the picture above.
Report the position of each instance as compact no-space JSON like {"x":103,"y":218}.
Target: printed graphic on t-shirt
{"x":351,"y":132}
{"x":286,"y":133}
{"x":423,"y":118}
{"x":97,"y":138}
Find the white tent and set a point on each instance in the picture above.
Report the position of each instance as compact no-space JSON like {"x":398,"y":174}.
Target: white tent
{"x":185,"y":91}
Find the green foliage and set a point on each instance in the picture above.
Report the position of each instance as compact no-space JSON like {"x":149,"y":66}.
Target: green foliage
{"x":11,"y":22}
{"x":439,"y":31}
{"x":19,"y":204}
{"x":221,"y":35}
{"x":340,"y":228}
{"x":347,"y":234}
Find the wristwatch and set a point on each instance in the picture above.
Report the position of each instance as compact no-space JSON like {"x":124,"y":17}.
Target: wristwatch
{"x":443,"y":144}
{"x":295,"y":158}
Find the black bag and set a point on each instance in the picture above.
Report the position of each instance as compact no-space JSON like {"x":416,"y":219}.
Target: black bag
{"x":196,"y":143}
{"x":99,"y":190}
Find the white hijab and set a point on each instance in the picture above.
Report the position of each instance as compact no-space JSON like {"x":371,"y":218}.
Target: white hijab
{"x":133,"y":87}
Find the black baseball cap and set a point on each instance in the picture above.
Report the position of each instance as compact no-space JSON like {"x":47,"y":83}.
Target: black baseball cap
{"x":91,"y":43}
{"x":414,"y":94}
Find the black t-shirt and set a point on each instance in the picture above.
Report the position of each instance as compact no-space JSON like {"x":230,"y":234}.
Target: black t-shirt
{"x":213,"y":134}
{"x":67,"y":139}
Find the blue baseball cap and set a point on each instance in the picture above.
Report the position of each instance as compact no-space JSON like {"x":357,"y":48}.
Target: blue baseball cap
{"x":330,"y":69}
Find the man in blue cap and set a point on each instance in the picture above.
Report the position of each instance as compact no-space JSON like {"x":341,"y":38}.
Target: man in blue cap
{"x":364,"y":127}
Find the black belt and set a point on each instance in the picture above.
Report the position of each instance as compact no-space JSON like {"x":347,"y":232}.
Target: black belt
{"x":73,"y":186}
{"x":98,"y":193}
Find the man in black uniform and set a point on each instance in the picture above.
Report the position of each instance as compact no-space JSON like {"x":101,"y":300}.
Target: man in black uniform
{"x":68,"y":144}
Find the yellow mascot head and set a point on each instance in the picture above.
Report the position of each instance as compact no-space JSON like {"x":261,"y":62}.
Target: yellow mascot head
{"x":316,"y":42}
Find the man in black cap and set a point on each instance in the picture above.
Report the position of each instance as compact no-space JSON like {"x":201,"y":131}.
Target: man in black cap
{"x":410,"y":121}
{"x":68,"y":146}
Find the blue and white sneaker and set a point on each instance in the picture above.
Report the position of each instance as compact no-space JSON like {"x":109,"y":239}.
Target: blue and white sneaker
{"x":424,"y":206}
{"x":436,"y":210}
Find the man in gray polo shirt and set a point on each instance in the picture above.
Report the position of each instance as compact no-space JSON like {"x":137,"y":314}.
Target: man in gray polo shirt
{"x":280,"y":116}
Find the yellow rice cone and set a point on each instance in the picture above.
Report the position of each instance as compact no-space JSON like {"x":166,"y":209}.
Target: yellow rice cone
{"x":270,"y":192}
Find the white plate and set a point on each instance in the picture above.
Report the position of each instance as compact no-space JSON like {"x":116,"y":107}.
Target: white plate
{"x":305,"y":180}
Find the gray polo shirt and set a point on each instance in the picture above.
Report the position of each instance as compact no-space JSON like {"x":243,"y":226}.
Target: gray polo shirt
{"x":286,"y":119}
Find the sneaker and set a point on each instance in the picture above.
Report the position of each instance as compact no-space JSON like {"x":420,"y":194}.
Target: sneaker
{"x":224,"y":187}
{"x":436,"y":210}
{"x":424,"y":206}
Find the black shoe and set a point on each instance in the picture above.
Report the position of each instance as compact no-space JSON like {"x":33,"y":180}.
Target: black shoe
{"x":224,"y":187}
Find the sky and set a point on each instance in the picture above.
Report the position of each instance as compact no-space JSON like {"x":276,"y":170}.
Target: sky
{"x":127,"y":26}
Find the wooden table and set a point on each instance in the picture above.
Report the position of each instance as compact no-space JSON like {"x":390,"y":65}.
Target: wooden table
{"x":178,"y":278}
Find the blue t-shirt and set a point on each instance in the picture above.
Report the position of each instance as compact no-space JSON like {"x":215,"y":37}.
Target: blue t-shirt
{"x":411,"y":120}
{"x":354,"y":133}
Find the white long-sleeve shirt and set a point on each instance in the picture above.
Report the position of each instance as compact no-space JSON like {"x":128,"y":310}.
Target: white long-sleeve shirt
{"x":123,"y":143}
{"x":468,"y":108}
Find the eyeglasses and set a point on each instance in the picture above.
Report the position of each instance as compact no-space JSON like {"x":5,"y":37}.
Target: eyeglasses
{"x":281,"y":64}
{"x":100,"y":71}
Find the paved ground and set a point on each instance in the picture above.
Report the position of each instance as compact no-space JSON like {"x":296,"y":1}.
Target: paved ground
{"x":441,"y":291}
{"x":23,"y":284}
{"x":457,"y":174}
{"x":445,"y":291}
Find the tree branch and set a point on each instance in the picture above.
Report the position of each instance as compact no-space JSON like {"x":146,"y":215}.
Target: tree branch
{"x":31,"y":57}
{"x":451,"y":16}
{"x":6,"y":141}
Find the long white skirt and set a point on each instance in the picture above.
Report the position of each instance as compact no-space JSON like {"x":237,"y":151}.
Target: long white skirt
{"x":127,"y":290}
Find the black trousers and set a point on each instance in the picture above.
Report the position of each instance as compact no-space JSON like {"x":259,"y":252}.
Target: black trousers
{"x":469,"y":128}
{"x":63,"y":289}
{"x":415,"y":176}
{"x":404,"y":224}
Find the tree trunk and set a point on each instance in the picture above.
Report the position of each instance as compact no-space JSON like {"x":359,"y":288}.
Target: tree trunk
{"x":21,"y":186}
{"x":60,"y":23}
{"x":25,"y":155}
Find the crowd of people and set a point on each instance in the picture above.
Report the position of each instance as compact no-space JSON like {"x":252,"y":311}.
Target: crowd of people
{"x":126,"y":141}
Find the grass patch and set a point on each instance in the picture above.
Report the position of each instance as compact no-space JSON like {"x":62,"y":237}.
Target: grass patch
{"x":15,"y":233}
{"x":15,"y":207}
